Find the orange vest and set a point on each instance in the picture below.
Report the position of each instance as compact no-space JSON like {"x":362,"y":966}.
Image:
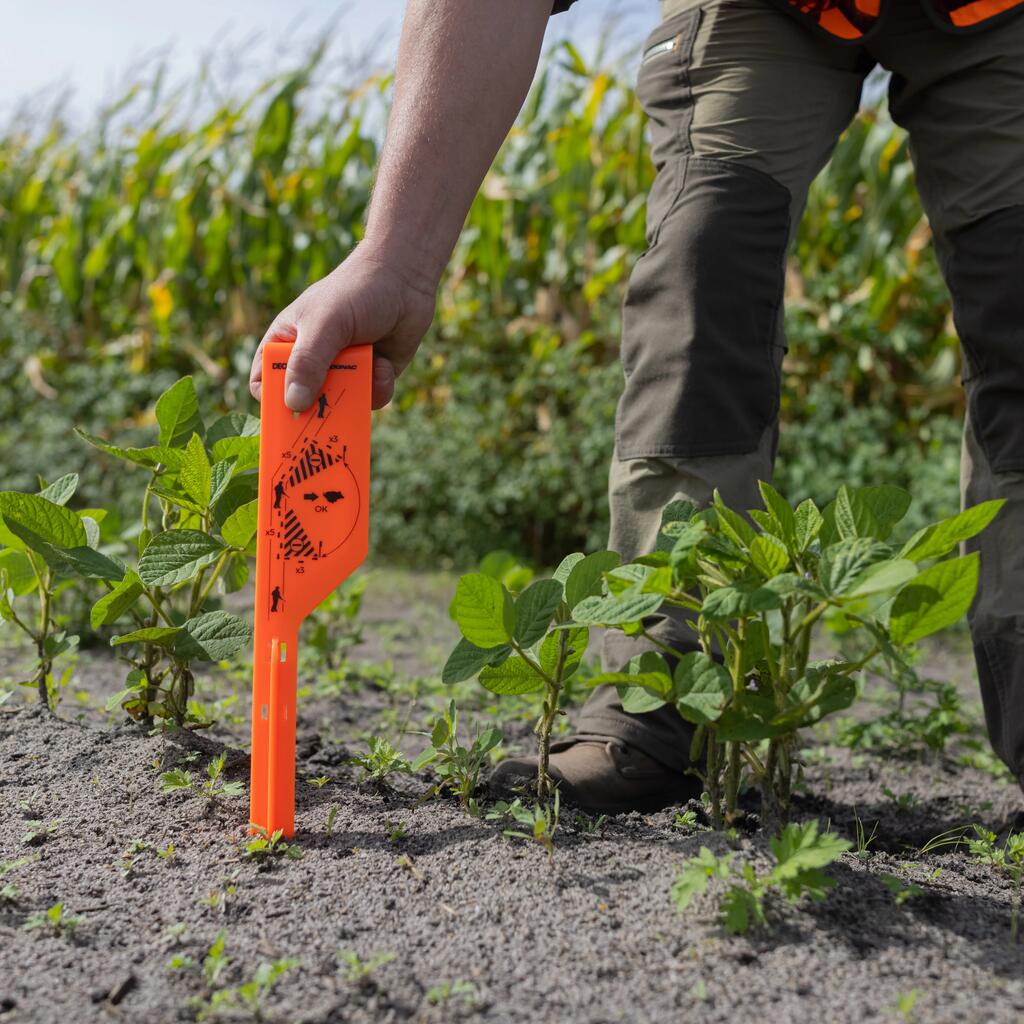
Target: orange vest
{"x":853,"y":20}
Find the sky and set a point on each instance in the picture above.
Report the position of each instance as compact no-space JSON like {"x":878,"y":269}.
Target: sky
{"x":89,"y":49}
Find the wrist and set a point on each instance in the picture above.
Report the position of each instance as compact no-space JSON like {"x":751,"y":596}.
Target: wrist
{"x":419,"y":266}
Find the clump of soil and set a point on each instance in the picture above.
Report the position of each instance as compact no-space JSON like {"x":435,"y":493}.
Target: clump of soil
{"x":480,"y":927}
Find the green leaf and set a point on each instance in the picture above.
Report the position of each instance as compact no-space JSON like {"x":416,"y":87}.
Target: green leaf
{"x":179,"y":498}
{"x":61,"y":490}
{"x":888,"y":505}
{"x":484,"y":610}
{"x":220,"y":477}
{"x":149,"y":457}
{"x":239,"y":491}
{"x":937,"y":598}
{"x":240,"y":527}
{"x":17,"y":570}
{"x":177,"y":555}
{"x":194,"y":473}
{"x":638,"y":700}
{"x":808,"y":521}
{"x":800,"y":849}
{"x":576,"y":641}
{"x":212,"y":636}
{"x":467,"y":660}
{"x":702,"y":688}
{"x":740,"y":599}
{"x":92,"y":530}
{"x":534,"y":609}
{"x":768,"y":555}
{"x":513,"y":676}
{"x":853,"y":516}
{"x":177,"y":413}
{"x":843,"y":564}
{"x":658,"y":683}
{"x":586,"y":577}
{"x":682,"y":557}
{"x":740,"y":908}
{"x":81,"y":560}
{"x":52,"y":523}
{"x":244,"y":450}
{"x":674,"y":516}
{"x":162,"y":636}
{"x":112,"y":605}
{"x":236,"y":573}
{"x":696,"y":873}
{"x":733,"y":525}
{"x":939,"y":539}
{"x":780,"y":511}
{"x":234,"y":424}
{"x":882,"y":576}
{"x":567,"y":565}
{"x":824,"y":689}
{"x":617,"y":609}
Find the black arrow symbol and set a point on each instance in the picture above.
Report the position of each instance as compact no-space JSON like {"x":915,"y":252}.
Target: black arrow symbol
{"x":311,"y":496}
{"x":333,"y":496}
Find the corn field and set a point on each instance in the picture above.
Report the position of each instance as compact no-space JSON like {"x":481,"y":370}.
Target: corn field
{"x":159,"y":242}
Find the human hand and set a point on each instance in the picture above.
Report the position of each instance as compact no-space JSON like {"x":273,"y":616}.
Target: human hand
{"x":366,"y":300}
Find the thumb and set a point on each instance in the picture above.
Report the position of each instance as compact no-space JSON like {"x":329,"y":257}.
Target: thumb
{"x":310,"y":358}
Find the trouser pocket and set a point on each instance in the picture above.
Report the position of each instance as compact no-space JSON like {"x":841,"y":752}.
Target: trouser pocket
{"x":701,"y":330}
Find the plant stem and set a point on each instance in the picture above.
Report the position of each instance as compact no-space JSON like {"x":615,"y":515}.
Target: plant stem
{"x":714,"y":782}
{"x":214,"y":576}
{"x":45,"y":664}
{"x":547,"y":720}
{"x":732,"y":780}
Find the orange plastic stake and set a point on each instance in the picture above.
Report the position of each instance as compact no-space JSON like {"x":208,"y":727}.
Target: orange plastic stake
{"x":313,"y":531}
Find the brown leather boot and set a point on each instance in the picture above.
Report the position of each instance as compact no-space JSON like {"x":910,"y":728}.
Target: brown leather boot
{"x":603,"y":776}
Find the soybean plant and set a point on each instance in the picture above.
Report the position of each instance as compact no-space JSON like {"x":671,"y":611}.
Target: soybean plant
{"x":751,"y":592}
{"x":800,"y":855}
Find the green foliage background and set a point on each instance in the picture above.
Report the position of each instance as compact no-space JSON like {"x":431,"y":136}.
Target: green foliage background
{"x":156,"y":243}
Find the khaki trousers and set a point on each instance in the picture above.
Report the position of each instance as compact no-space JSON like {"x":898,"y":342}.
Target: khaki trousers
{"x":745,"y":107}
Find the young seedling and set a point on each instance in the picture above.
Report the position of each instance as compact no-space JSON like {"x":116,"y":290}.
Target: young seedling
{"x":800,"y":854}
{"x":864,"y":841}
{"x":357,"y":971}
{"x":37,"y":832}
{"x":1008,"y":858}
{"x":541,"y":821}
{"x":9,"y":892}
{"x":213,"y":788}
{"x":457,"y":766}
{"x":247,"y":999}
{"x":450,"y":991}
{"x":319,"y":782}
{"x":380,"y":762}
{"x":332,"y":815}
{"x":687,"y":820}
{"x":901,"y":891}
{"x":517,"y":644}
{"x":265,"y":850}
{"x":54,"y":922}
{"x":397,"y":832}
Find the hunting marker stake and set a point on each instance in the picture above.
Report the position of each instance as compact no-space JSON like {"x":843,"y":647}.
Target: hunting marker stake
{"x":312,"y":534}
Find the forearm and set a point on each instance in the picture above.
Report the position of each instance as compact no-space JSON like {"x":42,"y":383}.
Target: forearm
{"x":464,"y":68}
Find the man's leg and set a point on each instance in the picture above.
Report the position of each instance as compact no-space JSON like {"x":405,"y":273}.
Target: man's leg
{"x":962,"y":101}
{"x":745,"y":108}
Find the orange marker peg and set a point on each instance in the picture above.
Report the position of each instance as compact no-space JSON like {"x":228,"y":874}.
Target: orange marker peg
{"x":313,"y":532}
